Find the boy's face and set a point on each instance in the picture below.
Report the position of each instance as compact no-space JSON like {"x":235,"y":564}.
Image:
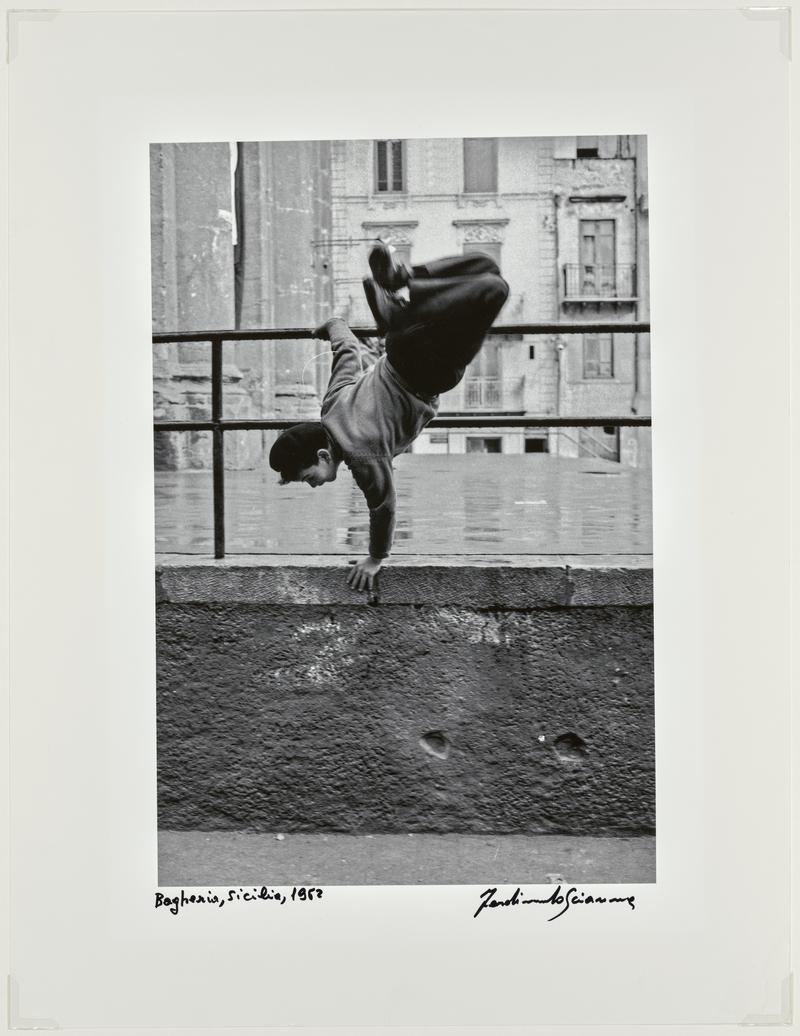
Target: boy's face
{"x":318,"y":474}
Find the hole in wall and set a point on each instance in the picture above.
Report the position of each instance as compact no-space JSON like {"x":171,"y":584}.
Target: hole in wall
{"x":570,"y":748}
{"x":435,"y":743}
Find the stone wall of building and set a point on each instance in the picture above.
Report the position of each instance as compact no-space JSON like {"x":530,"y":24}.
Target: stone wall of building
{"x":192,"y":280}
{"x":240,"y":240}
{"x":283,"y":277}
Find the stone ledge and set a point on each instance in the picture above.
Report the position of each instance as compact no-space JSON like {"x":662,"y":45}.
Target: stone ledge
{"x":473,"y":581}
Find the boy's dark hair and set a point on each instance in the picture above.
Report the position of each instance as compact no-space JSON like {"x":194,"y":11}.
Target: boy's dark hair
{"x":296,"y":449}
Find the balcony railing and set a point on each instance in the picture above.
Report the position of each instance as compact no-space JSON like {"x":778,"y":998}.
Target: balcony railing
{"x":587,"y":282}
{"x":491,"y":393}
{"x":218,"y":425}
{"x":483,"y":394}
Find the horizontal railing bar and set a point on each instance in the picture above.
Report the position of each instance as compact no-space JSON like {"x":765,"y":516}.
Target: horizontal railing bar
{"x":455,"y":421}
{"x":279,"y":333}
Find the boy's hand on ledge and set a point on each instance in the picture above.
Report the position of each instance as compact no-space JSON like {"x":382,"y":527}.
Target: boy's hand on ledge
{"x":362,"y":576}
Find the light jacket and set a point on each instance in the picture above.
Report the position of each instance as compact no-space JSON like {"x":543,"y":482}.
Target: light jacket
{"x":371,"y":415}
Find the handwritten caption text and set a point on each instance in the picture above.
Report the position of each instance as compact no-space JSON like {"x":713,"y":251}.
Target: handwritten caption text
{"x":180,"y":900}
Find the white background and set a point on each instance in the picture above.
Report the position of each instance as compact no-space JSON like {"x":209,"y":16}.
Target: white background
{"x":88,"y":93}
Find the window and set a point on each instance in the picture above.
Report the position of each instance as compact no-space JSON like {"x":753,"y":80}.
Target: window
{"x":537,"y":445}
{"x":480,"y":165}
{"x":531,"y":352}
{"x":490,"y":248}
{"x":483,"y":445}
{"x":487,"y":363}
{"x":587,"y":147}
{"x":598,"y":256}
{"x":597,"y":244}
{"x":598,"y":356}
{"x":390,"y":166}
{"x":482,"y":385}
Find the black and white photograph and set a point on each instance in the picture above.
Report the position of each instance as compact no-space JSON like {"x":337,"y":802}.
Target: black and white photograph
{"x":403,"y":511}
{"x":399,"y":433}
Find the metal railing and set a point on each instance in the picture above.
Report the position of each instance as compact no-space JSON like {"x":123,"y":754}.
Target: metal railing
{"x":585,"y":281}
{"x":218,"y":425}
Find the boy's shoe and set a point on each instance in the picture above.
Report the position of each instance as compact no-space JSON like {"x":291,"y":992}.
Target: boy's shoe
{"x":389,"y":272}
{"x":386,"y":307}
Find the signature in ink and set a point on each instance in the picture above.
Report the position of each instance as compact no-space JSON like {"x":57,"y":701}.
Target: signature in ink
{"x":557,"y":898}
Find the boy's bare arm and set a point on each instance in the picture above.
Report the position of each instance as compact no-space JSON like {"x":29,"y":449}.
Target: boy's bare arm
{"x":375,"y":479}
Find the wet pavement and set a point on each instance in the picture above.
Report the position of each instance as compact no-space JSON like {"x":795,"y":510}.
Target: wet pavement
{"x":458,"y":504}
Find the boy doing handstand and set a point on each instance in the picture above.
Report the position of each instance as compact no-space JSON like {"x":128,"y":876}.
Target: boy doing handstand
{"x":375,"y":408}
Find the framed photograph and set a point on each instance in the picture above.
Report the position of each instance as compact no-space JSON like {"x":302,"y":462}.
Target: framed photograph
{"x":399,"y":411}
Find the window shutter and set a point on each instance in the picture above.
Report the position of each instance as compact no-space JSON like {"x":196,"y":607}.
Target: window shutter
{"x":382,"y":177}
{"x":598,"y":356}
{"x":480,"y":165}
{"x":397,"y":165}
{"x":591,"y":364}
{"x":605,"y":250}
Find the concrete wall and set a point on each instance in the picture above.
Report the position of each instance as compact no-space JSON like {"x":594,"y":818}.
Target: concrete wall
{"x":510,"y":696}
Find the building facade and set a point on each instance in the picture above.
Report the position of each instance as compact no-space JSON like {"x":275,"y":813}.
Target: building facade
{"x":277,"y":235}
{"x":566,"y":220}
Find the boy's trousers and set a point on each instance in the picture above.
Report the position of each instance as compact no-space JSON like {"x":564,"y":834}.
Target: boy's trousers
{"x":453,"y":303}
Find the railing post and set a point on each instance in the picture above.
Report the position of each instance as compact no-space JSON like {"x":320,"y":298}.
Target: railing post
{"x":218,"y":448}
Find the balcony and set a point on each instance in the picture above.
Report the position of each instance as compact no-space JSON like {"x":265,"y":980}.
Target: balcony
{"x":493,"y":394}
{"x":592,"y":283}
